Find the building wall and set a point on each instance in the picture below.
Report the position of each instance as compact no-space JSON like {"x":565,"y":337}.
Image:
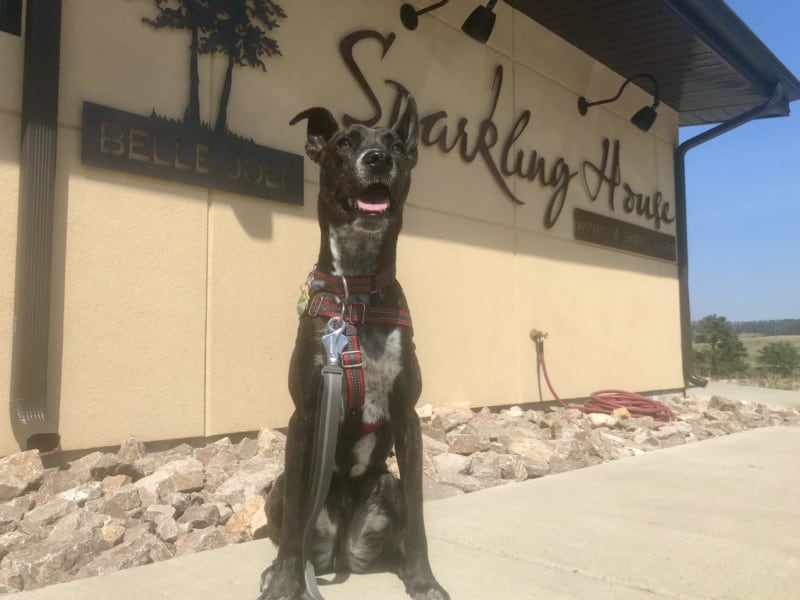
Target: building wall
{"x":11,"y":54}
{"x":174,"y":305}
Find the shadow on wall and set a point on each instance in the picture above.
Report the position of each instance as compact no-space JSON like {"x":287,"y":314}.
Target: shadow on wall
{"x":182,"y":148}
{"x":255,"y":216}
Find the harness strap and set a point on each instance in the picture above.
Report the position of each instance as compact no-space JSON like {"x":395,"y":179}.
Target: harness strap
{"x":356,"y":284}
{"x":353,"y":371}
{"x":358,"y":313}
{"x":352,"y":358}
{"x":323,"y":289}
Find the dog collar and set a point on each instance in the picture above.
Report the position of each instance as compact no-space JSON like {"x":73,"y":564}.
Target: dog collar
{"x":319,"y":281}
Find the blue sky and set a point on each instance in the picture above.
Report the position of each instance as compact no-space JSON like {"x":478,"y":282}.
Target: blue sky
{"x":743,"y":197}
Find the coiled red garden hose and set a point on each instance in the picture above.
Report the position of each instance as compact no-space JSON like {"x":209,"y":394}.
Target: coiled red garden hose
{"x":606,"y":401}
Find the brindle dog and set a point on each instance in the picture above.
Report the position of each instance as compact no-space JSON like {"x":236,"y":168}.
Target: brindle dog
{"x":371,"y":519}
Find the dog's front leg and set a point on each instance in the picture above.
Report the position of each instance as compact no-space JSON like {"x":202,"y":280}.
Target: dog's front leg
{"x":286,"y":575}
{"x":418,"y":577}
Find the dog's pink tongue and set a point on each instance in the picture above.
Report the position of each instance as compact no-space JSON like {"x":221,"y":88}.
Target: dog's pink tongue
{"x":374,"y":207}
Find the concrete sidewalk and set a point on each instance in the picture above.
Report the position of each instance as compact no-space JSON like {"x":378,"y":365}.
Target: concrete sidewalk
{"x":748,"y":393}
{"x":716,"y":519}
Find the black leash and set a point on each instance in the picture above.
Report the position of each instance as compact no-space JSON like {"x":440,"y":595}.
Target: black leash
{"x":326,"y":432}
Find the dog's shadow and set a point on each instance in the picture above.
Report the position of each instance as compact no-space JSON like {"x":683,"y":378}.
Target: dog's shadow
{"x":332,"y":578}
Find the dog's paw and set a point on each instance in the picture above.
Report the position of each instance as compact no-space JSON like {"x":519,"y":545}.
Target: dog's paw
{"x":277,"y":584}
{"x":266,"y":577}
{"x":268,"y":596}
{"x":274,"y":593}
{"x":432,"y":591}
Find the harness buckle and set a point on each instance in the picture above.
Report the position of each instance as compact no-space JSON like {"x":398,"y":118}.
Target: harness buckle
{"x":348,"y":365}
{"x":351,"y":315}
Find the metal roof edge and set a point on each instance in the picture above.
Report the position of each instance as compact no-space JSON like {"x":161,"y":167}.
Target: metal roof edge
{"x":722,"y":29}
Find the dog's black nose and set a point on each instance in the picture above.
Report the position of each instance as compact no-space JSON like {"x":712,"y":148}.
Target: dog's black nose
{"x":377,"y":158}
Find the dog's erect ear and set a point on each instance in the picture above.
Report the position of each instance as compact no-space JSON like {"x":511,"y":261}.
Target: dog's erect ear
{"x":407,"y":128}
{"x":320,"y":128}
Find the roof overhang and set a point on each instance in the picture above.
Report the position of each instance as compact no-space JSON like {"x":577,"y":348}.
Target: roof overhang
{"x":709,"y":65}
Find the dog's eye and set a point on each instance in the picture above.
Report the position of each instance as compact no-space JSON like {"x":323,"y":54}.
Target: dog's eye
{"x":344,"y":142}
{"x":398,"y":147}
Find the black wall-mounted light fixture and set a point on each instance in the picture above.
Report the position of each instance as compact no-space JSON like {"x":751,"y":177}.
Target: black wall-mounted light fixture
{"x":410,"y":15}
{"x":480,"y":23}
{"x":644,"y":117}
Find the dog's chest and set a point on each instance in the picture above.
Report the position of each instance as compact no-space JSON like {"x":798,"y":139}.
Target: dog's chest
{"x":352,"y":251}
{"x":381,"y":361}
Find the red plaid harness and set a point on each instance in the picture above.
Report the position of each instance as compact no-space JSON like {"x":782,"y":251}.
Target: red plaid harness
{"x":329,"y":298}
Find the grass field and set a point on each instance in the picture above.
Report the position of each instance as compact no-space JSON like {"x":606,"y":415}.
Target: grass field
{"x":754,"y":376}
{"x":753,"y":343}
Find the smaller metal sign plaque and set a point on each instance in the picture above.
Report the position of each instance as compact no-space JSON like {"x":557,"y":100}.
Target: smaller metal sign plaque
{"x":599,"y":229}
{"x":154,"y":146}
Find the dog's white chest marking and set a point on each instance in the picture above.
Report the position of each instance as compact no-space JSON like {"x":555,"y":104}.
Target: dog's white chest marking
{"x":362,"y":452}
{"x":333,"y":242}
{"x":379,"y":375}
{"x":353,"y":252}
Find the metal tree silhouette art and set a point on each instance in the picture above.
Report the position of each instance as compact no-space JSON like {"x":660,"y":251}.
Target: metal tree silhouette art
{"x":198,"y":17}
{"x":238,"y":32}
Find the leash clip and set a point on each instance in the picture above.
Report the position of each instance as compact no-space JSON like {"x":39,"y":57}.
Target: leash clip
{"x":334,"y":341}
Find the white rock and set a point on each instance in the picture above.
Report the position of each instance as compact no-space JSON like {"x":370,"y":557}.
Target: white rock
{"x":82,"y":493}
{"x":451,"y":464}
{"x":515,"y":412}
{"x":601,"y":420}
{"x":425,"y":411}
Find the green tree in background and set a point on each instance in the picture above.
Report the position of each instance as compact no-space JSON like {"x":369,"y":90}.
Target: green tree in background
{"x":780,"y":358}
{"x":725,"y":353}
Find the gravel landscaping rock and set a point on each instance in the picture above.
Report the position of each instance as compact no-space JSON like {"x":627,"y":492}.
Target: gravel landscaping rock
{"x":109,"y":511}
{"x":19,"y":473}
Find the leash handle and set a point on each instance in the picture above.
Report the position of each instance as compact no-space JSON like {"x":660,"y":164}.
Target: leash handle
{"x":326,"y":431}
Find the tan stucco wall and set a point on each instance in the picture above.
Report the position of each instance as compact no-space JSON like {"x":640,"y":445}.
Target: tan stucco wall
{"x":11,"y":52}
{"x":9,"y":190}
{"x":174,"y":306}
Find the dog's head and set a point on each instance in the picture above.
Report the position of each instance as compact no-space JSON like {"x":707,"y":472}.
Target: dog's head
{"x":365,"y":172}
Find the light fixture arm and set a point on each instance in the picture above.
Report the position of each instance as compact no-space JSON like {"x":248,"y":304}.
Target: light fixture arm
{"x":422,"y":11}
{"x":410,"y":15}
{"x":583,"y":104}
